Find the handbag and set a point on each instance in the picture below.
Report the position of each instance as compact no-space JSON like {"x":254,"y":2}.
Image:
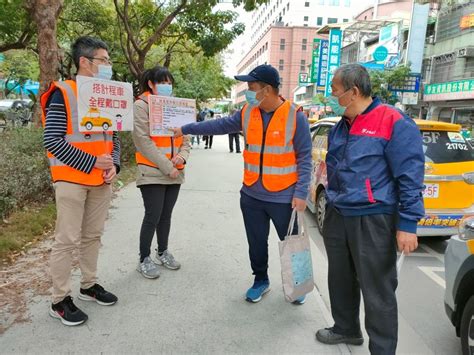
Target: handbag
{"x":295,"y":258}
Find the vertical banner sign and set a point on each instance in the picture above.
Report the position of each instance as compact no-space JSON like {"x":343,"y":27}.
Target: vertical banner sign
{"x":104,"y":105}
{"x":335,"y":42}
{"x":168,"y":112}
{"x":323,"y":63}
{"x":315,"y":60}
{"x":417,"y":37}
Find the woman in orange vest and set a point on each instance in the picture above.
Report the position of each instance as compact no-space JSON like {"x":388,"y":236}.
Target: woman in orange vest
{"x":161,"y":161}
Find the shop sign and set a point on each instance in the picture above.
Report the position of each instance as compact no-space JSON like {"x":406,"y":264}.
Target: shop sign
{"x":453,"y":90}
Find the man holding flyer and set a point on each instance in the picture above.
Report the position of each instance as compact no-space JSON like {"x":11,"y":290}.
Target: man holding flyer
{"x":277,"y":165}
{"x":82,"y":167}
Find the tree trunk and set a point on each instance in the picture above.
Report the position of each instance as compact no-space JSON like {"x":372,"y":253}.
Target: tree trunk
{"x":45,"y":14}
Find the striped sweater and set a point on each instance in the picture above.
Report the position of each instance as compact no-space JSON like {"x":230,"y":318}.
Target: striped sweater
{"x":54,"y":138}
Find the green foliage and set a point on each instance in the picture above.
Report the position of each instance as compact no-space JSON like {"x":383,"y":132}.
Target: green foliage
{"x":381,"y":79}
{"x":24,"y":172}
{"x":200,"y":77}
{"x":19,"y":66}
{"x":16,"y":28}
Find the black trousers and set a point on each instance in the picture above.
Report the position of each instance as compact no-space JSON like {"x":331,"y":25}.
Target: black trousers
{"x":234,"y":137}
{"x":159,"y":201}
{"x":257,"y":216}
{"x":362,"y":256}
{"x":208,"y":140}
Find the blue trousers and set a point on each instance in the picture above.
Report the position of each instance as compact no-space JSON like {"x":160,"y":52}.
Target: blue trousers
{"x":257,"y":215}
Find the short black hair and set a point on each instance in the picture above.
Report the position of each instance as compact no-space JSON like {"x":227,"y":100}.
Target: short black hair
{"x":156,"y":74}
{"x":355,"y":75}
{"x":86,"y":47}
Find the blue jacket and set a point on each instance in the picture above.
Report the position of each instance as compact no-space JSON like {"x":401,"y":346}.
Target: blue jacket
{"x":301,"y":142}
{"x":376,"y":165}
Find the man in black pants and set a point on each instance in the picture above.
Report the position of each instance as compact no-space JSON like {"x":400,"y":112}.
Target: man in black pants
{"x":232,"y":137}
{"x":375,"y":170}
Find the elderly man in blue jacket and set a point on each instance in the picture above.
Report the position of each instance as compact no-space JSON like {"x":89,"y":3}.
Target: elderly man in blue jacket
{"x":375,"y":169}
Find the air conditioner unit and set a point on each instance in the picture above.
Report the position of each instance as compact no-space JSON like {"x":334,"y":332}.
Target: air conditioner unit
{"x":465,"y":52}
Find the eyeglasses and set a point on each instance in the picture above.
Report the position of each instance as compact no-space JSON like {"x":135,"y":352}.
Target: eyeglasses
{"x":101,"y":60}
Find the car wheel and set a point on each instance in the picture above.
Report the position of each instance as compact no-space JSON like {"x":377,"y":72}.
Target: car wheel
{"x":89,"y":126}
{"x":320,"y":209}
{"x":467,"y":328}
{"x":105,"y":126}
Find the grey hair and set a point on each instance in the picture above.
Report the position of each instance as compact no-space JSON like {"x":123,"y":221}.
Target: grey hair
{"x":86,"y":47}
{"x":355,"y":75}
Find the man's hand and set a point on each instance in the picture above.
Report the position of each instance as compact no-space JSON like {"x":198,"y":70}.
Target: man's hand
{"x":104,"y":162}
{"x":178,"y":132}
{"x":407,"y":242}
{"x":174,"y":173}
{"x":177,"y":160}
{"x":109,"y":174}
{"x":299,"y":204}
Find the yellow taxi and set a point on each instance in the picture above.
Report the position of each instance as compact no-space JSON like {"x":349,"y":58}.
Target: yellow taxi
{"x":93,"y":119}
{"x":449,"y":176}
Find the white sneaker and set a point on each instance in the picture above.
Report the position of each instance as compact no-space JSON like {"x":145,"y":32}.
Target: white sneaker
{"x":148,"y":269}
{"x":167,"y":260}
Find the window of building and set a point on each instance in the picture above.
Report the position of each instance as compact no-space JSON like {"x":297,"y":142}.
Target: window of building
{"x":332,"y":20}
{"x":319,"y":21}
{"x":333,"y":2}
{"x":281,"y":64}
{"x":449,"y":22}
{"x":303,"y":44}
{"x":306,"y":4}
{"x":288,"y":6}
{"x":266,"y":46}
{"x":345,"y":20}
{"x":306,"y":18}
{"x":305,"y":25}
{"x":347,"y":3}
{"x":303,"y":65}
{"x":282,"y":44}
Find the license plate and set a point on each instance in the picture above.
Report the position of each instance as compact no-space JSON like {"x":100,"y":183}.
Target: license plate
{"x":431,"y":191}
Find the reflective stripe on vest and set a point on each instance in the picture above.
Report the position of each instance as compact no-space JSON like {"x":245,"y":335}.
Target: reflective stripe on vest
{"x":276,"y":159}
{"x":166,"y":144}
{"x":95,"y":144}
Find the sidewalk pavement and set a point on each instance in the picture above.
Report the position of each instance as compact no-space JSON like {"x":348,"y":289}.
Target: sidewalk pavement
{"x":200,"y":308}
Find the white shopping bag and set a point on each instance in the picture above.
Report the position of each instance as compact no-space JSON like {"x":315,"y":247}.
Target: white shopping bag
{"x":295,"y":258}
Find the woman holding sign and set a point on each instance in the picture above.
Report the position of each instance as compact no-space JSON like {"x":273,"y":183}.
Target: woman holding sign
{"x":161,"y":161}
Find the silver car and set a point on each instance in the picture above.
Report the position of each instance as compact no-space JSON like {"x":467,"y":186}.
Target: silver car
{"x":459,"y":296}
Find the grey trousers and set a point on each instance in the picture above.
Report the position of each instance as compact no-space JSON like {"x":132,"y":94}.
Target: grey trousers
{"x":362,"y":257}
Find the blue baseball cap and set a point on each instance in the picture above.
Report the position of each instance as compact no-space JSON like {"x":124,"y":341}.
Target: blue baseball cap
{"x":264,"y":73}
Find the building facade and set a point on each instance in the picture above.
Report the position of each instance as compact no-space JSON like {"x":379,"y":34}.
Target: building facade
{"x":448,"y":93}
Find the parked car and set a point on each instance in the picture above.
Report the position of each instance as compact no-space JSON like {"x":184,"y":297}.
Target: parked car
{"x":14,"y":104}
{"x":459,"y":274}
{"x":449,"y":176}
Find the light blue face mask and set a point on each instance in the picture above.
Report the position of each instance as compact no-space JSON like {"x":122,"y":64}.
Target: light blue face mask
{"x":337,"y":108}
{"x":251,"y":97}
{"x":164,"y":89}
{"x":104,"y":72}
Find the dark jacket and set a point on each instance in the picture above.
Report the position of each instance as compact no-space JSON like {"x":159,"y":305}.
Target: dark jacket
{"x":376,"y":165}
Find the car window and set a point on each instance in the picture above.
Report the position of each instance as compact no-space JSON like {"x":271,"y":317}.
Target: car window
{"x":320,"y":136}
{"x":446,"y":147}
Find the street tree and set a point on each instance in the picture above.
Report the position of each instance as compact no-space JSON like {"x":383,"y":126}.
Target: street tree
{"x":382,"y":79}
{"x":17,"y":31}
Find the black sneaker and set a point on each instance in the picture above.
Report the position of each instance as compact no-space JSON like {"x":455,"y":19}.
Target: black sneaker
{"x":97,"y":294}
{"x":328,"y":336}
{"x":67,"y":312}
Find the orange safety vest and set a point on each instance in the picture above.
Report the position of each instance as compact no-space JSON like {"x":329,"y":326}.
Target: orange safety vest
{"x":94,"y":143}
{"x":270,"y":153}
{"x":166,"y":144}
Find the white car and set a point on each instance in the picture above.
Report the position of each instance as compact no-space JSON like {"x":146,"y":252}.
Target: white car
{"x":459,"y":295}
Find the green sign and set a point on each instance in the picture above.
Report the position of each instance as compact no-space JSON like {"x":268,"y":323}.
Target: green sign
{"x":459,"y":86}
{"x":315,"y":60}
{"x":303,"y":78}
{"x":380,"y":54}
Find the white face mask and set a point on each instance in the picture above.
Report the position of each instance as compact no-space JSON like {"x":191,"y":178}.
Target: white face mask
{"x":104,"y":71}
